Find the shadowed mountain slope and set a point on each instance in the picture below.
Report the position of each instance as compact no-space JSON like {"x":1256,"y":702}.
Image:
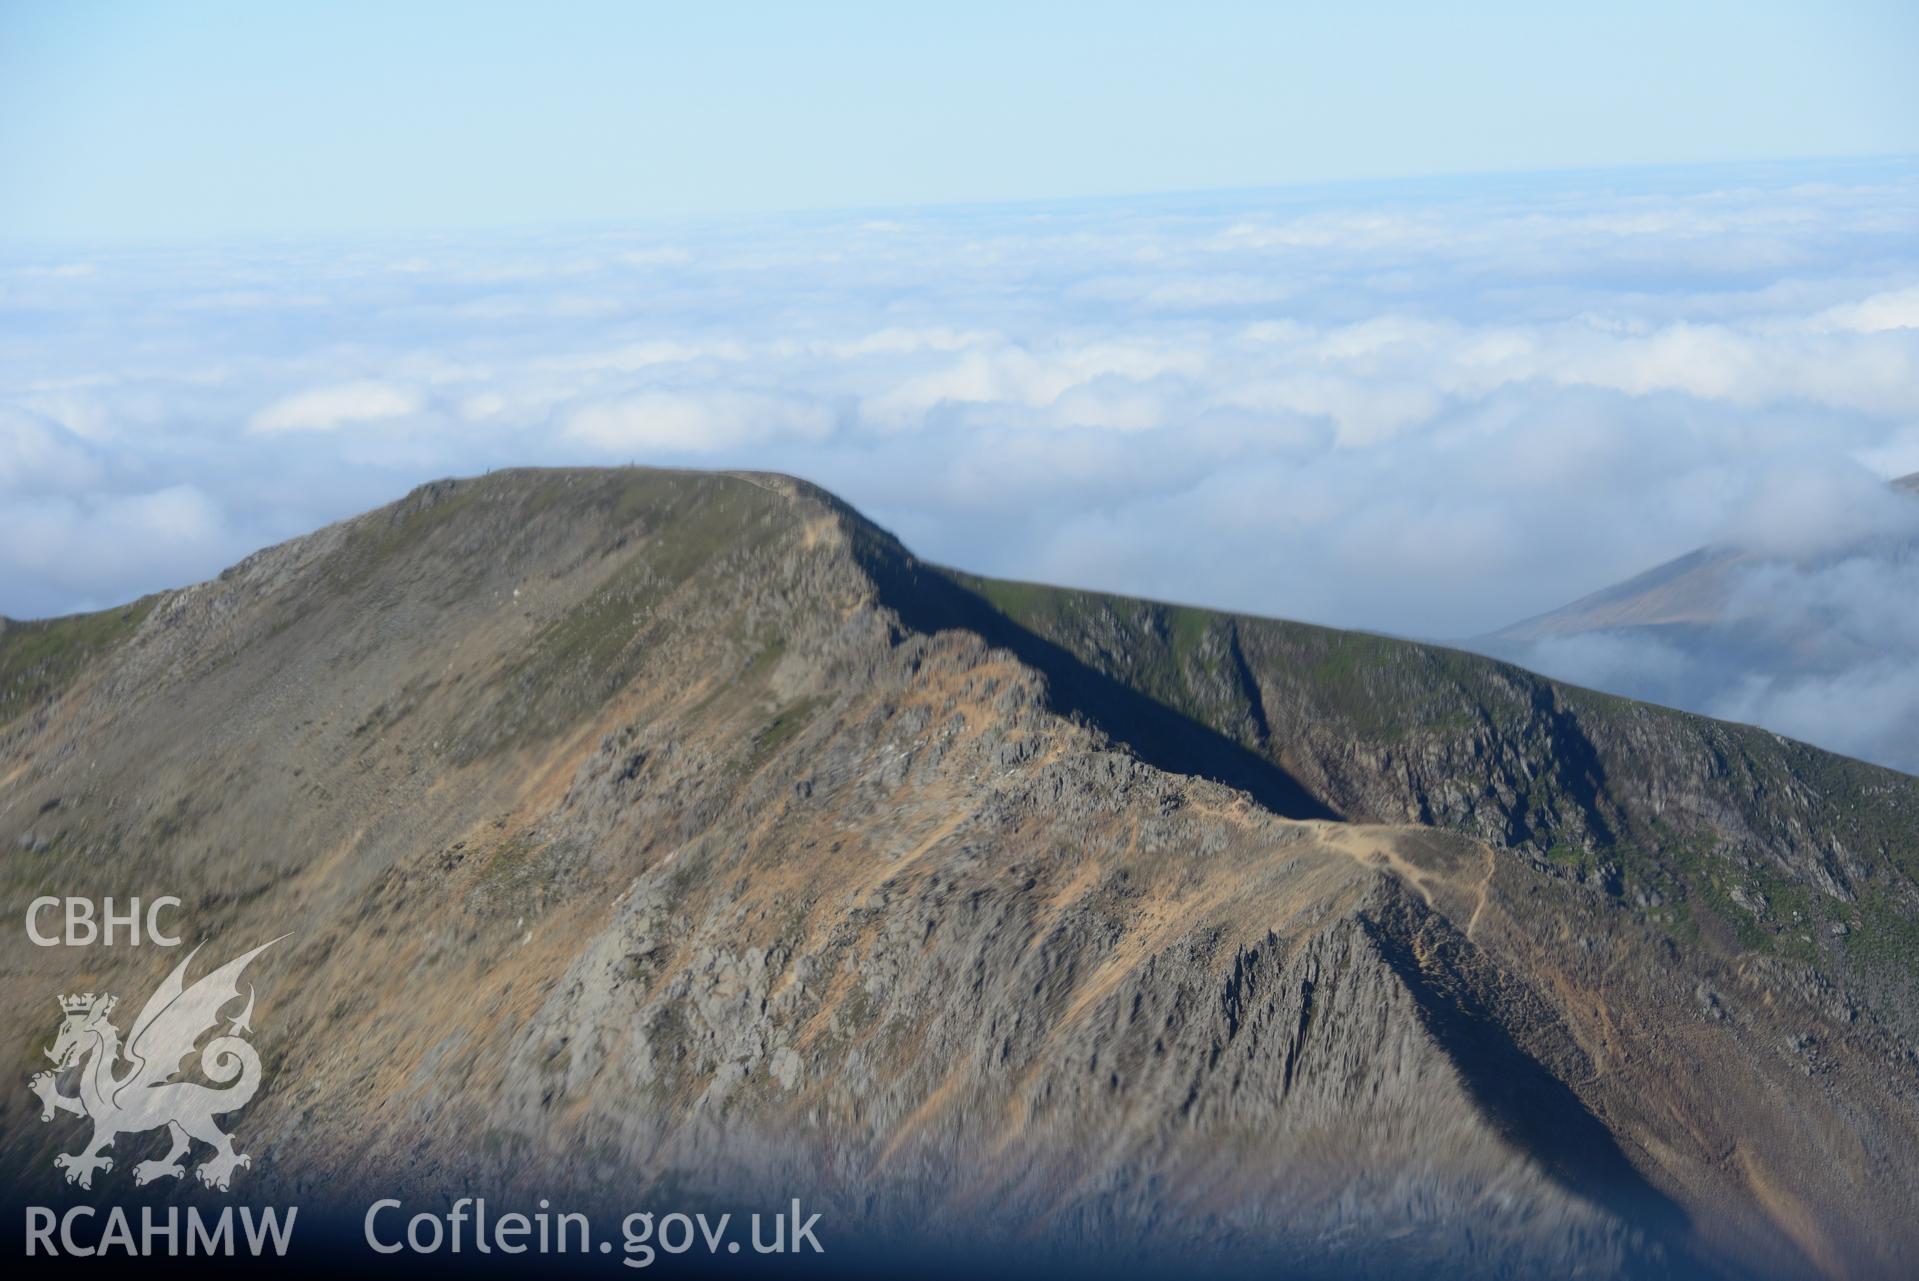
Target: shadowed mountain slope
{"x":680,"y":840}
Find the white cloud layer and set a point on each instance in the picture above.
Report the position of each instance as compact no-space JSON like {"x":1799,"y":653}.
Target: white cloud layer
{"x":648,"y":422}
{"x":325,"y":408}
{"x":1431,"y":409}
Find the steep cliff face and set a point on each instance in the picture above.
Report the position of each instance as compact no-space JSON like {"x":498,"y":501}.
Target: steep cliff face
{"x":667,"y":838}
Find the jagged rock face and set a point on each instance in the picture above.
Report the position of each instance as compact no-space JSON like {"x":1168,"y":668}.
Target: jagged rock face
{"x":664,"y":835}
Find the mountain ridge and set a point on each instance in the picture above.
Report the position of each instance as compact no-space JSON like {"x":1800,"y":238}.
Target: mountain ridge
{"x":701,"y":791}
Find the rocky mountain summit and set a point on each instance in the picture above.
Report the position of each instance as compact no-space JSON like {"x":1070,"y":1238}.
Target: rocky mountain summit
{"x":679,"y":839}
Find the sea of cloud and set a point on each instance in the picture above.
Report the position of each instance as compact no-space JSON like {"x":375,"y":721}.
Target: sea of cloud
{"x":1429,"y":408}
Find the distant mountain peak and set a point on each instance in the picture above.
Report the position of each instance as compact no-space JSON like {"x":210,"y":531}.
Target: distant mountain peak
{"x":1812,"y":642}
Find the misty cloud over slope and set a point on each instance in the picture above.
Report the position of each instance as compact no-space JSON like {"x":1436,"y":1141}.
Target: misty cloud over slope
{"x":1424,"y":408}
{"x":1816,"y":640}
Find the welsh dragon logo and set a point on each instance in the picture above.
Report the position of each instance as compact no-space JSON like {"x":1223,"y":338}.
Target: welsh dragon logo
{"x":132,"y":1088}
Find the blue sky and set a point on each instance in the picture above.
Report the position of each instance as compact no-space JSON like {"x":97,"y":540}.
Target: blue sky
{"x":198,"y":119}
